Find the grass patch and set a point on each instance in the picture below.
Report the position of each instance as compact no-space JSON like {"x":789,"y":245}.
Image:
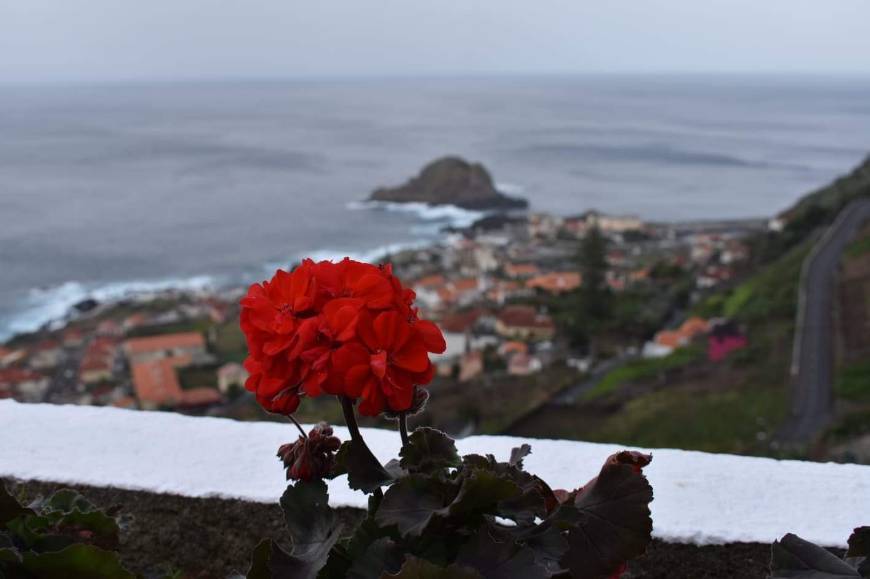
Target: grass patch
{"x":853,"y":382}
{"x":229,"y":342}
{"x":644,"y":368}
{"x":721,"y":421}
{"x":197,"y":377}
{"x":859,"y":247}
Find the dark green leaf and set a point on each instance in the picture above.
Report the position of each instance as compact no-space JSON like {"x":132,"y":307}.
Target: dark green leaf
{"x":269,"y":561}
{"x":411,"y":502}
{"x":609,"y":520}
{"x":66,"y":501}
{"x":480,"y":492}
{"x":79,"y":561}
{"x":428,"y":450}
{"x":310,"y":520}
{"x":518,"y":454}
{"x":382,"y":556}
{"x":415,"y":568}
{"x":859,"y":543}
{"x":547,"y":541}
{"x":8,"y":555}
{"x":364,"y":471}
{"x":526,"y":507}
{"x":259,"y":568}
{"x":794,"y":558}
{"x":9,"y":507}
{"x":496,"y":555}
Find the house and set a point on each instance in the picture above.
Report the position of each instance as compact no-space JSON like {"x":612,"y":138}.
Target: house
{"x":460,"y":292}
{"x":231,"y":374}
{"x":521,"y":270}
{"x":97,"y":364}
{"x":73,"y":337}
{"x":26,"y":385}
{"x":524,"y":323}
{"x":46,"y":354}
{"x":470,"y":365}
{"x":613,"y":223}
{"x":556,"y":282}
{"x":189,"y":344}
{"x":543,"y":226}
{"x":523,"y":365}
{"x":724,"y":338}
{"x":666,"y":341}
{"x":156,"y":385}
{"x":9,"y":357}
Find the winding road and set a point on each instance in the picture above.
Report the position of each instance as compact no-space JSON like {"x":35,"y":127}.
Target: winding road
{"x":812,"y":367}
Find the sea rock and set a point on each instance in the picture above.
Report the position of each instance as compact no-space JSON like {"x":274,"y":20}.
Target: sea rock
{"x":451,"y":181}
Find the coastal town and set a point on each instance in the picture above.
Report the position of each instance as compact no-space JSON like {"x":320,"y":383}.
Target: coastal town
{"x":498,"y":290}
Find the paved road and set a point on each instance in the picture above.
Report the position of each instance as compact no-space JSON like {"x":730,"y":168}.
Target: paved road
{"x":813,"y":363}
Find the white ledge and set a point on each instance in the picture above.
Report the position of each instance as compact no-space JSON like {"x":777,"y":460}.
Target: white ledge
{"x":700,"y":498}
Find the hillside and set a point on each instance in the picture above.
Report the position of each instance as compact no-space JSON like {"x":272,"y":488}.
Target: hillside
{"x":740,"y":403}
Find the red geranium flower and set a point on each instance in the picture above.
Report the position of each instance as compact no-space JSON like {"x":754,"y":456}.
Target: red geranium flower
{"x":346,"y":328}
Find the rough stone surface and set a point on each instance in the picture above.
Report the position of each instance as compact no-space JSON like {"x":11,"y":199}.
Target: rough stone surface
{"x":450,"y":181}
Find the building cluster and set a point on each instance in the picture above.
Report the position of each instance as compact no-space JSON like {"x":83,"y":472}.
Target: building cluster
{"x":101,"y":358}
{"x":483,"y":284}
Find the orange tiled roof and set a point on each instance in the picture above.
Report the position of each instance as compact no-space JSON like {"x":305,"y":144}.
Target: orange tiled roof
{"x":669,"y":338}
{"x":556,"y":282}
{"x":524,"y":317}
{"x":166,"y":342}
{"x":155,"y":382}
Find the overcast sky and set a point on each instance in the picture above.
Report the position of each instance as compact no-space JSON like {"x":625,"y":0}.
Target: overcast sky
{"x":60,"y":40}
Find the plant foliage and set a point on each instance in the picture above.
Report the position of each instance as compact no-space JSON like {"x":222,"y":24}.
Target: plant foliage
{"x":795,"y":558}
{"x":444,"y":516}
{"x":58,"y":537}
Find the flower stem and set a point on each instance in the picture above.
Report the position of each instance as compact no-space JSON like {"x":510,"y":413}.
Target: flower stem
{"x":403,"y":428}
{"x":299,"y":426}
{"x":350,"y":418}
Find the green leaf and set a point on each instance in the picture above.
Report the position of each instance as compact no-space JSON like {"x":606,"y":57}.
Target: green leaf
{"x":412,"y":501}
{"x":609,"y":520}
{"x":270,"y":561}
{"x":9,"y":507}
{"x":259,"y":568}
{"x":364,"y":471}
{"x":415,"y":568}
{"x":480,"y":492}
{"x":859,"y":543}
{"x":428,"y":450}
{"x":67,"y":501}
{"x":381,"y":557}
{"x":8,"y":555}
{"x":537,"y":498}
{"x":310,"y":520}
{"x":79,"y":561}
{"x":496,"y":555}
{"x":794,"y":558}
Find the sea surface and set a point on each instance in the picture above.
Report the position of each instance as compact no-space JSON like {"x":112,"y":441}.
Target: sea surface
{"x":106,"y":189}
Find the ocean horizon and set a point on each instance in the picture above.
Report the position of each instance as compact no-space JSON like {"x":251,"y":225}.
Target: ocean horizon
{"x":111,"y":188}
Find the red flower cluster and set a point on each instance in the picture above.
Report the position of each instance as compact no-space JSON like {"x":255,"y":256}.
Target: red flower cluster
{"x":346,"y":328}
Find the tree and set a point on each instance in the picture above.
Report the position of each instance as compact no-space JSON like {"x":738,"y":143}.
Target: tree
{"x":594,"y":298}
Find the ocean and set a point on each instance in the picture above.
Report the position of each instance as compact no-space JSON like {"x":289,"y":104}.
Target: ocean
{"x":106,"y":189}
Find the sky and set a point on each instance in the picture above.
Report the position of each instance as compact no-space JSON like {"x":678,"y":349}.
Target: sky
{"x":116,"y":40}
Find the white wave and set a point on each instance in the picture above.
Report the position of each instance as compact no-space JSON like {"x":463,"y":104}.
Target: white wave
{"x":374,"y":255}
{"x":47,"y":306}
{"x":513,"y":189}
{"x":446,"y":214}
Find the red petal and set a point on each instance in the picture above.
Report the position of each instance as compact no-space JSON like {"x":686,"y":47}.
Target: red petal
{"x":431,"y":335}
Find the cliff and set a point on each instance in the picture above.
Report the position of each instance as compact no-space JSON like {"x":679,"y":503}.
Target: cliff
{"x":450,"y":181}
